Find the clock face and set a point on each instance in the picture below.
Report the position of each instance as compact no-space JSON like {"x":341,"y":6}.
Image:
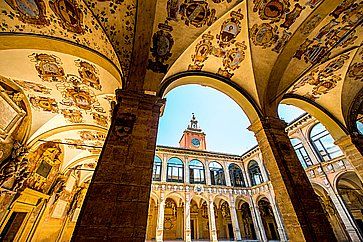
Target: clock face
{"x":195,"y":142}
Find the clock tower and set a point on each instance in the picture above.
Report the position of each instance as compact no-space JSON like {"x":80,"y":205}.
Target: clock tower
{"x":193,"y":137}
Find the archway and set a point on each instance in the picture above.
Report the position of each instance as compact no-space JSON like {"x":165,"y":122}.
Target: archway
{"x":268,"y":219}
{"x":199,"y":219}
{"x":223,"y":219}
{"x":152,"y":219}
{"x":331,"y":211}
{"x":173,"y":219}
{"x":350,"y":189}
{"x":245,"y":221}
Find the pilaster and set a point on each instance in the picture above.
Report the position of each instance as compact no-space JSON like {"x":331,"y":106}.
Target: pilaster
{"x":301,"y":211}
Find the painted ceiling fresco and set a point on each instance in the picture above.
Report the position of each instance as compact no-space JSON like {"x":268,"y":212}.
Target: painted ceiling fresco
{"x":65,"y":19}
{"x":326,"y":81}
{"x":69,"y":98}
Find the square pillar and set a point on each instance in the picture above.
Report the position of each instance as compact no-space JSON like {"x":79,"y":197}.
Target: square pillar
{"x":301,"y":211}
{"x":116,"y":205}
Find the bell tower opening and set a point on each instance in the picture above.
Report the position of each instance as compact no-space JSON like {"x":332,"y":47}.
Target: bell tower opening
{"x":193,"y":137}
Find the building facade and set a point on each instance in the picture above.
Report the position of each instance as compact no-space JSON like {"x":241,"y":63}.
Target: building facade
{"x":203,"y":195}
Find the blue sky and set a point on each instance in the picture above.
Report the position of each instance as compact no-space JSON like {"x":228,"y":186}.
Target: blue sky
{"x":223,"y":121}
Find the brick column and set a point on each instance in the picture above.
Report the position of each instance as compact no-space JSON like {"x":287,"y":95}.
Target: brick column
{"x":352,"y":153}
{"x":299,"y":206}
{"x":117,"y":201}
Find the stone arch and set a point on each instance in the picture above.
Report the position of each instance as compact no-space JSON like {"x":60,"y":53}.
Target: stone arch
{"x":222,"y":84}
{"x":332,"y":124}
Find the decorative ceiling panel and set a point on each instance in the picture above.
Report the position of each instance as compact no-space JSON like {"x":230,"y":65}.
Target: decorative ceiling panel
{"x":117,"y":18}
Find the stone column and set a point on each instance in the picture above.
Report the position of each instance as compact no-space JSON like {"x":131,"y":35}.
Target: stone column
{"x":160,"y":222}
{"x":308,"y":147}
{"x":345,"y":216}
{"x":164,"y":168}
{"x":257,"y":221}
{"x":207,"y":173}
{"x":352,"y":154}
{"x":301,"y":211}
{"x":186,"y":171}
{"x":264,"y":173}
{"x":246,"y":177}
{"x":234,"y":218}
{"x":212,"y":222}
{"x":117,"y":201}
{"x":187,"y":230}
{"x":226,"y":174}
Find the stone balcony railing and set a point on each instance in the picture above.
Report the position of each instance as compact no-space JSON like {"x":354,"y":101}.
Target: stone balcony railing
{"x":211,"y":189}
{"x":328,"y":167}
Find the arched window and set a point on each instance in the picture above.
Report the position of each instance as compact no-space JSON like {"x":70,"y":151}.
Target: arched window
{"x":301,"y":152}
{"x":255,"y":173}
{"x":175,"y":170}
{"x":323,"y":143}
{"x":236,"y":176}
{"x":196,"y":172}
{"x":157,"y":169}
{"x":216,"y":174}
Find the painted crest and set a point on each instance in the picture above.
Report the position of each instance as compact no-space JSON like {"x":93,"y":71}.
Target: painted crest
{"x":69,"y":14}
{"x":44,"y":103}
{"x":88,"y":74}
{"x":230,"y":29}
{"x":31,"y":86}
{"x":100,"y":119}
{"x":49,"y":67}
{"x":172,"y":8}
{"x":162,"y":44}
{"x":264,"y":35}
{"x":202,"y":50}
{"x":232,"y":60}
{"x":282,"y":41}
{"x":356,"y":71}
{"x":30,"y":11}
{"x":292,"y":16}
{"x":72,"y":115}
{"x":197,"y":13}
{"x":271,"y":9}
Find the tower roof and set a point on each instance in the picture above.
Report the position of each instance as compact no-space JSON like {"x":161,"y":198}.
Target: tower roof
{"x":194,"y":124}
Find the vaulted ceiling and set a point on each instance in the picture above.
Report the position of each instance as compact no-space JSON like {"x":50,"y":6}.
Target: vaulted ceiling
{"x":309,"y":49}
